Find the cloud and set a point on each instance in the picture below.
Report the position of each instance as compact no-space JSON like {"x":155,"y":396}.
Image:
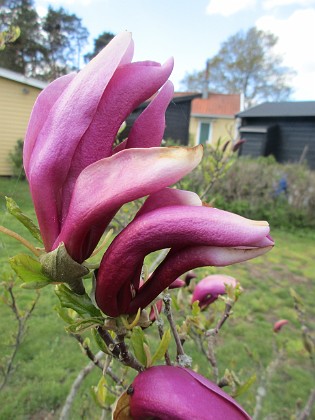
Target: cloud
{"x":228,"y":7}
{"x":296,"y":36}
{"x":271,"y":4}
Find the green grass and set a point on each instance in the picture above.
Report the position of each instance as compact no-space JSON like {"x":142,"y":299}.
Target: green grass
{"x":49,"y":360}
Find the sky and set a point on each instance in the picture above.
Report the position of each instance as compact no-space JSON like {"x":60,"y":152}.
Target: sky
{"x":192,"y":30}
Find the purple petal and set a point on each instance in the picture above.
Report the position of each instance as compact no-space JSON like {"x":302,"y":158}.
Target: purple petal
{"x":209,"y":288}
{"x":148,"y":129}
{"x":169,"y":392}
{"x":174,"y":226}
{"x":169,"y":197}
{"x":103,"y":187}
{"x":131,"y":85}
{"x":177,"y":262}
{"x":65,"y":124}
{"x":177,"y":284}
{"x":44,"y":102}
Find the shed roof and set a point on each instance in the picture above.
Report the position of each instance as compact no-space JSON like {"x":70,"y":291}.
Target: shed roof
{"x":217,"y":104}
{"x":281,"y":109}
{"x":20,"y":78}
{"x":177,"y":97}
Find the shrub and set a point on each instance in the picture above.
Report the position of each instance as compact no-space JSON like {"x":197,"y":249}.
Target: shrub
{"x":16,"y":158}
{"x":283,"y":194}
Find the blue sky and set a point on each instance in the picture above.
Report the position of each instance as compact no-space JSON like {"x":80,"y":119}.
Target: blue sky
{"x":192,"y":30}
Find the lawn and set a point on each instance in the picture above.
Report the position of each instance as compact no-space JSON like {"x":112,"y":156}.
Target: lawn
{"x":49,"y":360}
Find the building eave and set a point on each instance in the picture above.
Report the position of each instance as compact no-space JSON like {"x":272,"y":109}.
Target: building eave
{"x":20,"y":78}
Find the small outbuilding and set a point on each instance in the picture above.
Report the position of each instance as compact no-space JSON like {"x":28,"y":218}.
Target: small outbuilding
{"x":177,"y":117}
{"x":285,"y":130}
{"x":17,"y":96}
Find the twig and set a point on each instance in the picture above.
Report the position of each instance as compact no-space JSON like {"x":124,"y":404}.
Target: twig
{"x":119,"y":349}
{"x":159,"y":323}
{"x":65,"y":412}
{"x":182,"y":358}
{"x":212,"y":358}
{"x":305,"y":414}
{"x":126,"y":357}
{"x":21,"y":320}
{"x":19,"y":238}
{"x":96,"y":360}
{"x":225,"y":316}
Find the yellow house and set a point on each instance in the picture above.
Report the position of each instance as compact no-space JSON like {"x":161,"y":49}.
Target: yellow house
{"x":17,"y":96}
{"x":213,"y":117}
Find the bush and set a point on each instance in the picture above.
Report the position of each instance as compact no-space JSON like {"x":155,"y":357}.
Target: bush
{"x":265,"y":189}
{"x":283,"y":194}
{"x":16,"y":158}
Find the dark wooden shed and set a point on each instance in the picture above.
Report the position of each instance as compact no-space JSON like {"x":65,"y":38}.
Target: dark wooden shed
{"x":283,"y":129}
{"x":177,"y":117}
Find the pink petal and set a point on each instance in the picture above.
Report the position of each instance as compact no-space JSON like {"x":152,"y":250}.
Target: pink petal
{"x":208,"y":289}
{"x":103,"y":187}
{"x":65,"y":124}
{"x":178,"y":262}
{"x":131,"y":85}
{"x":148,"y":129}
{"x":44,"y":102}
{"x":176,"y":284}
{"x":169,"y":197}
{"x":169,"y":392}
{"x":279,"y":324}
{"x":174,"y":226}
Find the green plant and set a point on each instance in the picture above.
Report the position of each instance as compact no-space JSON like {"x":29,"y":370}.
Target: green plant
{"x":16,"y":158}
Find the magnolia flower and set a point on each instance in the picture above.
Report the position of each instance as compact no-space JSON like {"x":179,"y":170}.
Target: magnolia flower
{"x":169,"y":392}
{"x":78,"y":180}
{"x":277,"y":326}
{"x":210,"y":288}
{"x":197,"y":236}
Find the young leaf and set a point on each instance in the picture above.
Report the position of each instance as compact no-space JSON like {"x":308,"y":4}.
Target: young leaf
{"x":15,"y":211}
{"x":30,"y":271}
{"x":99,"y":392}
{"x":99,"y":342}
{"x":81,"y":304}
{"x":243,"y":388}
{"x":84,"y":325}
{"x":163,"y":346}
{"x":64,"y":314}
{"x":195,"y":310}
{"x":137,"y":340}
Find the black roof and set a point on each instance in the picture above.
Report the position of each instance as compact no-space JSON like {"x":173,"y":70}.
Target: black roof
{"x":280,"y":109}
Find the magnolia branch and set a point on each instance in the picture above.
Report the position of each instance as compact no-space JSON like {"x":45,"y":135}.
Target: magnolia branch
{"x":65,"y":412}
{"x":182,"y":358}
{"x":20,"y":238}
{"x":21,"y":320}
{"x":159,"y":323}
{"x":119,"y":350}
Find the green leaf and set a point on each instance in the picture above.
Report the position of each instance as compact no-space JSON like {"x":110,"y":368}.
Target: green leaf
{"x":137,"y":340}
{"x":64,"y":314}
{"x":163,"y":346}
{"x":84,"y":324}
{"x":15,"y":211}
{"x":243,"y":388}
{"x":99,"y":341}
{"x":195,"y":310}
{"x":30,"y":271}
{"x":81,"y":304}
{"x":99,"y":392}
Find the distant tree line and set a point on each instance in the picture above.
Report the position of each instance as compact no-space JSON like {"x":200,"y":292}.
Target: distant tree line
{"x":46,"y":47}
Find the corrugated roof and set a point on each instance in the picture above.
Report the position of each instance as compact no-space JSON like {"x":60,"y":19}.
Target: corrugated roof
{"x":217,"y":104}
{"x":281,"y":109}
{"x":17,"y":77}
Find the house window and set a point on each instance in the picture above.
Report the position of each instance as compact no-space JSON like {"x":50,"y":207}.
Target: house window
{"x":204,"y":133}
